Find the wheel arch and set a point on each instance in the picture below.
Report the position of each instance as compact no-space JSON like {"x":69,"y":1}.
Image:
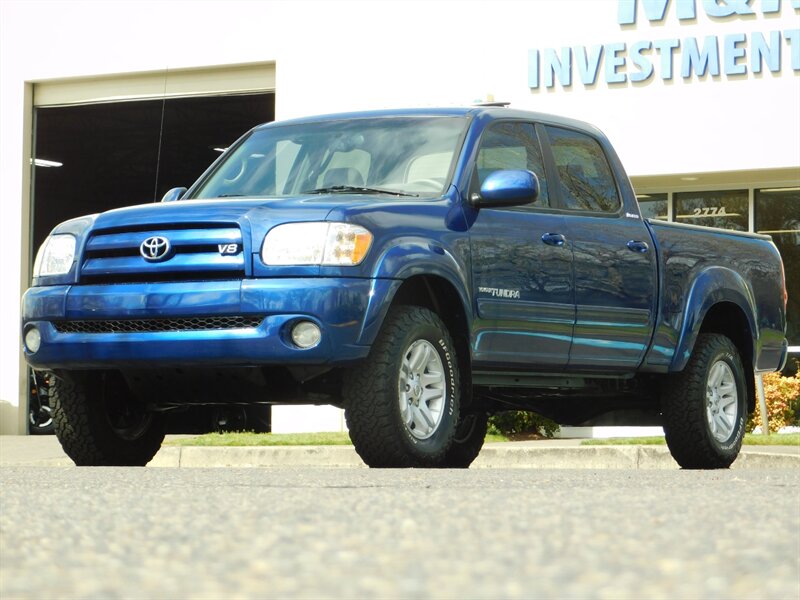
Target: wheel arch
{"x":439,"y":295}
{"x":424,"y":272}
{"x":721,"y":302}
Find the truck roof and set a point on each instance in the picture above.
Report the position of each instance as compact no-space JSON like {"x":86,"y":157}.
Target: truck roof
{"x":486,"y":112}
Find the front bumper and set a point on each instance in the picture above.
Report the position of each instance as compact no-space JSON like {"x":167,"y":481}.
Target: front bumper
{"x":347,"y":310}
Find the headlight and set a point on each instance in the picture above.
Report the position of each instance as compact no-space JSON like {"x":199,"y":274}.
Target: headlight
{"x":330,"y":244}
{"x":55,"y":256}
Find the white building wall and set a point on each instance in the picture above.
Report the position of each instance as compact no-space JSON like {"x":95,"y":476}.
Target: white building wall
{"x":334,"y":56}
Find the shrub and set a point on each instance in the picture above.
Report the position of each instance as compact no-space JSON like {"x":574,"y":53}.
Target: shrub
{"x":519,"y":422}
{"x":783,"y":402}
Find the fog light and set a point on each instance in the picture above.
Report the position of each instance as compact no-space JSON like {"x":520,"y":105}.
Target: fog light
{"x":306,"y":334}
{"x":33,"y":339}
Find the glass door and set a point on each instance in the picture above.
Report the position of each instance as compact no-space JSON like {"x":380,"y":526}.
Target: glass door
{"x":778,"y":215}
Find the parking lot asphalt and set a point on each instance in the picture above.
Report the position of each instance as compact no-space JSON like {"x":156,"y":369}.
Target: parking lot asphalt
{"x":439,"y":534}
{"x":45,"y":451}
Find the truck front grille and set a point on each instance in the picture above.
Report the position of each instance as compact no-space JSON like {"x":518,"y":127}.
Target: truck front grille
{"x":156,"y":325}
{"x":196,"y":252}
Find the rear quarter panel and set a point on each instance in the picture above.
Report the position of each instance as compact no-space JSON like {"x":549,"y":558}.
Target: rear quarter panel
{"x":700,"y":267}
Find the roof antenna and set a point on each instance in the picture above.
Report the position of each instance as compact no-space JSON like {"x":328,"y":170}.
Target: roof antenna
{"x":490,"y":101}
{"x":161,"y":134}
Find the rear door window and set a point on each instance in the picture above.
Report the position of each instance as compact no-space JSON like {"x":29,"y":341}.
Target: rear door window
{"x":586,"y":180}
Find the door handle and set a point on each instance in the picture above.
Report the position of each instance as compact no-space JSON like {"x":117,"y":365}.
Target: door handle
{"x":637,"y":246}
{"x":554,"y":239}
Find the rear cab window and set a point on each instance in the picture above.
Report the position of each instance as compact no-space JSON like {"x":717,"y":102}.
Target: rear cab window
{"x":586,"y":180}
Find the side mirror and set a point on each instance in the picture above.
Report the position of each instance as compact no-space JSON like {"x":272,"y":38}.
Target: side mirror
{"x":174,"y":194}
{"x":507,"y":188}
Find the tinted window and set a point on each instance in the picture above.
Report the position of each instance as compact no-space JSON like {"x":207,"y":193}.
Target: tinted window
{"x":512,"y":146}
{"x":586,"y":179}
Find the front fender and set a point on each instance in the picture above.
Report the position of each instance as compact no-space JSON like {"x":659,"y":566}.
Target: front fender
{"x":409,"y":257}
{"x":712,"y":286}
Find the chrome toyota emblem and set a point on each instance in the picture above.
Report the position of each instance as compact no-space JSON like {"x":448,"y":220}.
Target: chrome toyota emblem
{"x":154,"y":248}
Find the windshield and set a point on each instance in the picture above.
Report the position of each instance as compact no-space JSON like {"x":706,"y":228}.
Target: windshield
{"x":397,"y":156}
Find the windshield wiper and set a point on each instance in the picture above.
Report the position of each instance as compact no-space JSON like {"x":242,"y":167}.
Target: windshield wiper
{"x":355,"y":189}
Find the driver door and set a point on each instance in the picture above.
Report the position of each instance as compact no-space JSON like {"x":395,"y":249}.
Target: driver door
{"x":521,"y":264}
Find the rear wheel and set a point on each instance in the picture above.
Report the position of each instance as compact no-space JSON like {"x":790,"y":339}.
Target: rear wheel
{"x":40,"y":414}
{"x":402,"y":401}
{"x":40,"y":420}
{"x":99,"y":423}
{"x":705,"y":406}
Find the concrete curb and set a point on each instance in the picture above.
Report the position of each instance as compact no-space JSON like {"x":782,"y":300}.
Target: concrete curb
{"x":45,"y":451}
{"x":492,"y":457}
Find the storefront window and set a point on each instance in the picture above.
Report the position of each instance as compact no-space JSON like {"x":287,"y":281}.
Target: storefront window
{"x":724,"y":209}
{"x":778,"y":215}
{"x":653,"y":206}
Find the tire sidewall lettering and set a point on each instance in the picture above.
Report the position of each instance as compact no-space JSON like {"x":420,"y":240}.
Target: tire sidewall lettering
{"x":445,"y":354}
{"x":451,"y":377}
{"x":739,"y":435}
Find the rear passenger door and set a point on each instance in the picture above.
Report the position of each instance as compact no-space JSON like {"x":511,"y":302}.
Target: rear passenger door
{"x":614,"y":264}
{"x":521,"y":263}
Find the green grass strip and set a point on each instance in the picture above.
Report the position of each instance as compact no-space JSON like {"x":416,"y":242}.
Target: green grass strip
{"x":343,"y":439}
{"x":277,"y":439}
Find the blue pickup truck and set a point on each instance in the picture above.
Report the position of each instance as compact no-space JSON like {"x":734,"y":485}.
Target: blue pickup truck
{"x":421,"y":269}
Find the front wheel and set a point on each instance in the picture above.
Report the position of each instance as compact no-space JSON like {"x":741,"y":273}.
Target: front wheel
{"x":401,"y":403}
{"x":99,"y":423}
{"x":705,"y":406}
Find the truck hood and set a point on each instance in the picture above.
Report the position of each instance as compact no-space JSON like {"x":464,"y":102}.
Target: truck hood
{"x":254,"y":216}
{"x":239,"y":210}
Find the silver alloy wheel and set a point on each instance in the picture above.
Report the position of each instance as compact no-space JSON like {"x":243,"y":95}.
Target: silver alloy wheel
{"x":422,"y":389}
{"x":722,"y":401}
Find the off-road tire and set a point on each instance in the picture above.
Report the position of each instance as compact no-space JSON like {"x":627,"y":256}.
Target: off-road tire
{"x":684,"y":406}
{"x":372,"y":396}
{"x":468,"y":441}
{"x":84,"y":428}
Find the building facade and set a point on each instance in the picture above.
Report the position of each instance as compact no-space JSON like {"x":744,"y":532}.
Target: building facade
{"x":701,"y":99}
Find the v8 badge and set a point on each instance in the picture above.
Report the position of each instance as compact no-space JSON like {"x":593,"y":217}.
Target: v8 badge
{"x":228,"y":249}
